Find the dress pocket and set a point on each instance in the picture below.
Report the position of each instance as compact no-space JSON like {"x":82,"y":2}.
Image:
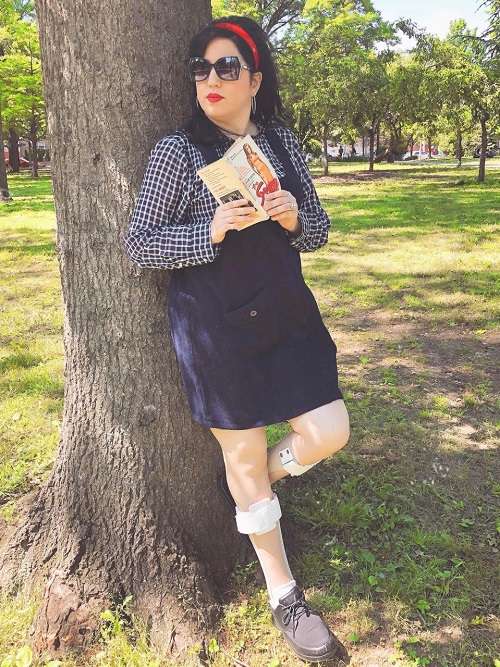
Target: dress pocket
{"x":258,"y":325}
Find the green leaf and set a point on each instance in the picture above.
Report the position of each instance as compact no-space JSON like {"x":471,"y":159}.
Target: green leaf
{"x":275,"y":662}
{"x":108,"y":615}
{"x":24,"y":657}
{"x":423,"y":606}
{"x":353,"y":638}
{"x":213,"y":647}
{"x":477,"y":620}
{"x":368,"y":556}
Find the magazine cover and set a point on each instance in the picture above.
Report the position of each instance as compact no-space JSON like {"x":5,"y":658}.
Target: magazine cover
{"x":243,"y":172}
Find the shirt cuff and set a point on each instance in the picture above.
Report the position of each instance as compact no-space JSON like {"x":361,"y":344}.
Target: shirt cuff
{"x":300,"y":241}
{"x":205,"y":249}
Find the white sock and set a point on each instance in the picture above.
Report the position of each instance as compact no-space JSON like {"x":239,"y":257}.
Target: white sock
{"x":280,"y":592}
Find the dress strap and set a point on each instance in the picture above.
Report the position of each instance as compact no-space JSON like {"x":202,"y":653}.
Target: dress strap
{"x":208,"y":151}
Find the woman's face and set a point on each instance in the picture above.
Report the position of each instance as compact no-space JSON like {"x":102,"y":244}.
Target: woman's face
{"x":227,"y":103}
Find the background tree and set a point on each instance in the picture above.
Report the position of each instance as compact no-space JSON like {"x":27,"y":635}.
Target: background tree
{"x":484,"y":86}
{"x":272,"y":15}
{"x":7,"y":16}
{"x":323,"y":51}
{"x":21,"y":76}
{"x":131,"y":506}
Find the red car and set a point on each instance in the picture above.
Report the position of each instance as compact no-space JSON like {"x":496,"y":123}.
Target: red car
{"x":23,"y":162}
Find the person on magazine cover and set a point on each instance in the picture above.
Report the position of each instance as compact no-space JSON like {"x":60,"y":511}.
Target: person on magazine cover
{"x":261,"y":168}
{"x":249,"y":338}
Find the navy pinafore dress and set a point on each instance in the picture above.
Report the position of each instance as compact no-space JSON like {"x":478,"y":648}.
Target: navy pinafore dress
{"x":251,"y":345}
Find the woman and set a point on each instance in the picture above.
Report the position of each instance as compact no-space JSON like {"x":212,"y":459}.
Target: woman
{"x":248,"y":335}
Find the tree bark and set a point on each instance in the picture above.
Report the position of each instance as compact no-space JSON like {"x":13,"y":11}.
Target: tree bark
{"x":484,"y":147}
{"x":13,"y":151}
{"x":131,"y":506}
{"x":33,"y":145}
{"x":371,"y":148}
{"x":459,"y":147}
{"x":325,"y":149}
{"x":4,"y":186}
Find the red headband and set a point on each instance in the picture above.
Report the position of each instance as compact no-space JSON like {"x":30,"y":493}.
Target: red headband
{"x":245,"y":36}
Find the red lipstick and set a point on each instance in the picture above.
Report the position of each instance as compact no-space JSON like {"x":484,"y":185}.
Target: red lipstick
{"x":213,"y":97}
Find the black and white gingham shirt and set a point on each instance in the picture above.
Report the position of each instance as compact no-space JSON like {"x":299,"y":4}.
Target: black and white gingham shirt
{"x":170,"y":226}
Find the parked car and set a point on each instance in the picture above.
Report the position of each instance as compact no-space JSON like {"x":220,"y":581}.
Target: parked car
{"x":23,"y":162}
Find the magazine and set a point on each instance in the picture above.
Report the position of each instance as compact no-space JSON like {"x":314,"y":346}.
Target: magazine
{"x":243,"y":172}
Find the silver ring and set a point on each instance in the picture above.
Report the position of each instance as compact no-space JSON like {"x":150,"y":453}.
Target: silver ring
{"x":293,"y":204}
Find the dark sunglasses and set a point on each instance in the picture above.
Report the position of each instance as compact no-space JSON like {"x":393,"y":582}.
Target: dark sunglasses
{"x":227,"y":68}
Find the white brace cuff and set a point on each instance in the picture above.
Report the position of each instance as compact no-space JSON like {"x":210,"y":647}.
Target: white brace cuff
{"x":261,"y":521}
{"x":291,"y":466}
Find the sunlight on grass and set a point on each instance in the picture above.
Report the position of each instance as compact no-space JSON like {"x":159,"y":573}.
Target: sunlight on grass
{"x":396,"y":537}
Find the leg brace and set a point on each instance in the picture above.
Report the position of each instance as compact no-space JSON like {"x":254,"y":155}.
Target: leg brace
{"x":261,"y":517}
{"x":290,"y":465}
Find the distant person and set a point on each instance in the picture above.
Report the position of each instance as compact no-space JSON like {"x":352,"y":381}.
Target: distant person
{"x":353,"y":151}
{"x":341,"y":152}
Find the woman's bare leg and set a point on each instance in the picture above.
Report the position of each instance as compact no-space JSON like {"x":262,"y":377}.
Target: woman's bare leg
{"x":315,"y":435}
{"x":245,"y":458}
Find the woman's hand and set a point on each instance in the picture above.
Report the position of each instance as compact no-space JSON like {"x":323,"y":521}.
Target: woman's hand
{"x":282,"y":207}
{"x":231,"y":215}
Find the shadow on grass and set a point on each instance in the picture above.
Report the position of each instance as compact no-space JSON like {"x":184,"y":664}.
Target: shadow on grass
{"x":28,"y":241}
{"x":29,"y":249}
{"x":407,"y":536}
{"x":24,"y":185}
{"x":400,"y":211}
{"x":31,"y":205}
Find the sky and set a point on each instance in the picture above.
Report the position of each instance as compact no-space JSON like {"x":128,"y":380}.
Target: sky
{"x":434,"y":15}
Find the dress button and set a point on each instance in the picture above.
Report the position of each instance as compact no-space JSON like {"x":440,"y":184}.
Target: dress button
{"x":253,"y":313}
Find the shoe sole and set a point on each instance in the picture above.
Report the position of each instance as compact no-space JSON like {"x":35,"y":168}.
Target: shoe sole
{"x":307,"y":658}
{"x":226,"y":494}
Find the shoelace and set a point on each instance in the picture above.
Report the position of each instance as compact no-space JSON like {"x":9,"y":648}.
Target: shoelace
{"x":294,"y":611}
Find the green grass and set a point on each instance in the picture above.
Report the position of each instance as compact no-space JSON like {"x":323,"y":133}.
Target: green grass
{"x":31,"y":381}
{"x":397,"y":537}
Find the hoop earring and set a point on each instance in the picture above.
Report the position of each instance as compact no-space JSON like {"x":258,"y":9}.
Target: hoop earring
{"x":254,"y":105}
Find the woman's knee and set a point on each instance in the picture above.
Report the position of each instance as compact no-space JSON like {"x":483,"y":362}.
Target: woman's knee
{"x":339,"y":429}
{"x":243,"y":450}
{"x":325,"y":429}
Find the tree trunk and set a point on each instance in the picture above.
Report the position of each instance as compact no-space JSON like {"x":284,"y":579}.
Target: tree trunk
{"x":34,"y":145}
{"x":459,"y":147}
{"x":325,"y":150}
{"x":484,"y":147}
{"x":131,"y":506}
{"x":13,"y":151}
{"x":371,"y":148}
{"x":429,"y":151}
{"x":4,"y":186}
